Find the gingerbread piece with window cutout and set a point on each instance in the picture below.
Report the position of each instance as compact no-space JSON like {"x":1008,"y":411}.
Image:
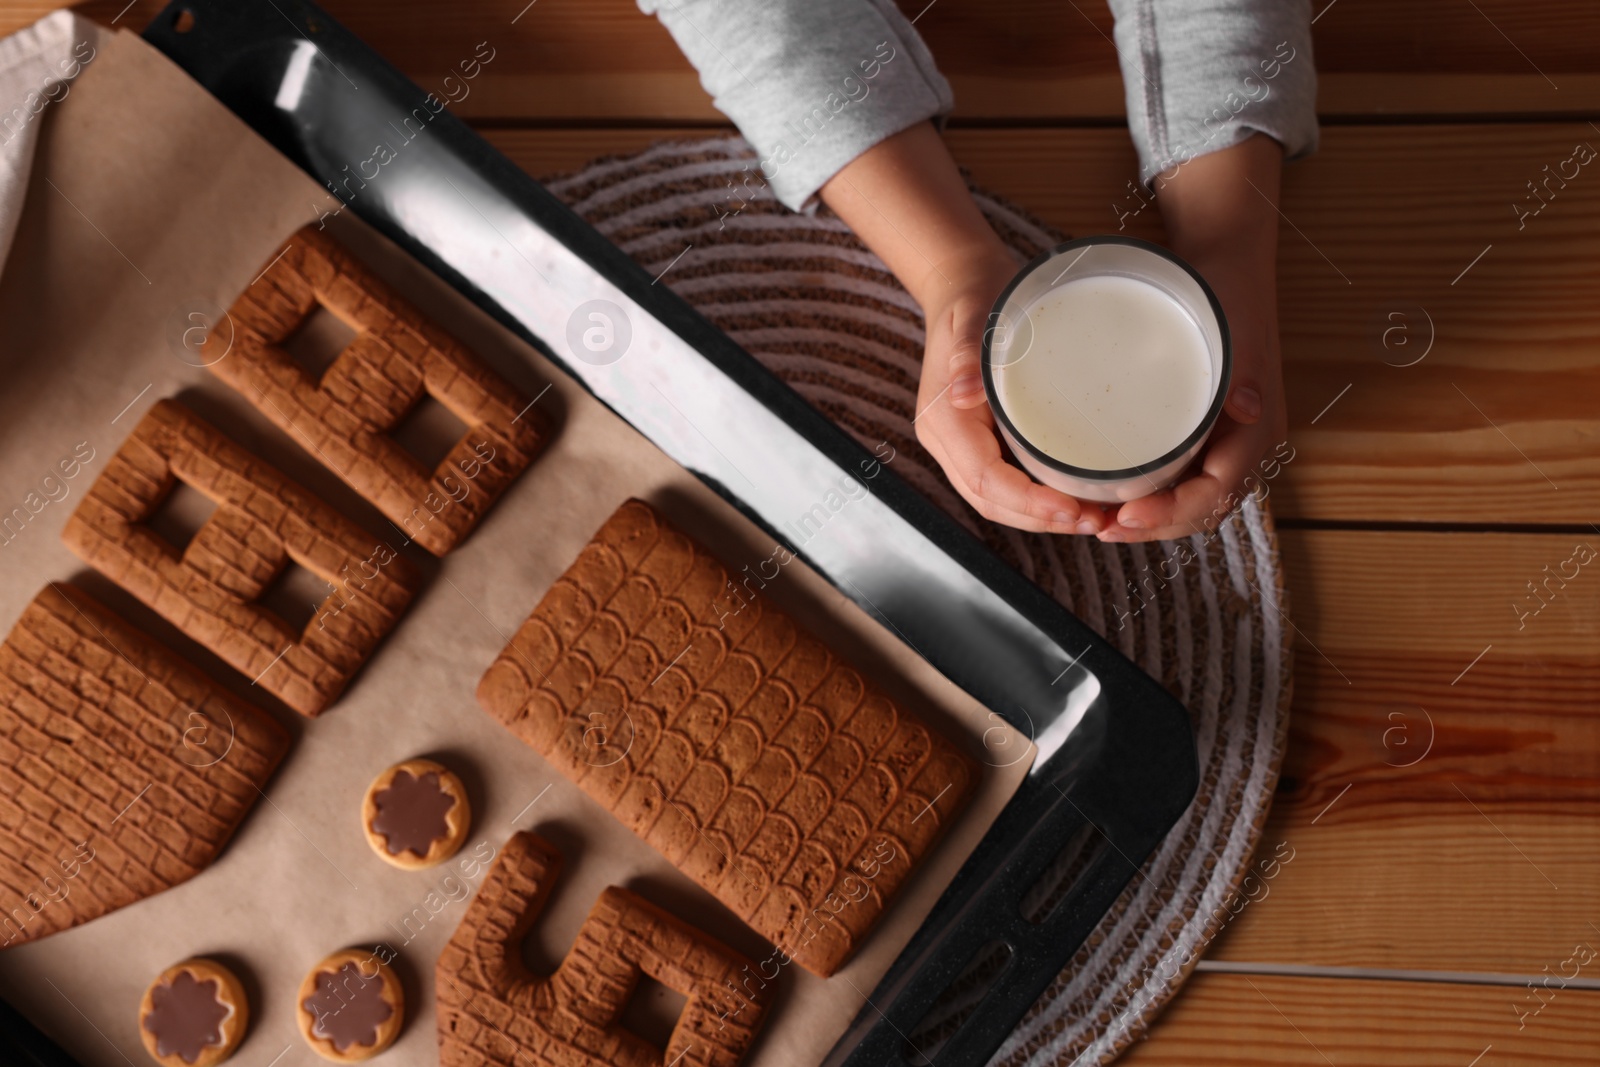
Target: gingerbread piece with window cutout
{"x":263,"y":521}
{"x":347,"y":413}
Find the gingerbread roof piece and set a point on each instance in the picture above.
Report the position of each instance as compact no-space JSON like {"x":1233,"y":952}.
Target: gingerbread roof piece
{"x":734,"y":742}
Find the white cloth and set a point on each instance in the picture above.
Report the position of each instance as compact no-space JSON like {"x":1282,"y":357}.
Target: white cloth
{"x":37,"y":67}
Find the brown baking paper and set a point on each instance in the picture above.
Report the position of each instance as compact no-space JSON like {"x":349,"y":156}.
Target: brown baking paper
{"x":151,"y":203}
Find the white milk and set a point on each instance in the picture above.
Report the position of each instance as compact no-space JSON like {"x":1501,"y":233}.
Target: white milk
{"x":1117,"y":374}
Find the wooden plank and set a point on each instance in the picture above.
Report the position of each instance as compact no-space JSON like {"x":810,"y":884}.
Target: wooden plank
{"x":1505,"y":407}
{"x":1441,"y":793}
{"x":1263,"y":1021}
{"x":995,"y":38}
{"x":1362,"y":95}
{"x":1350,"y":35}
{"x":15,"y":14}
{"x":548,"y":153}
{"x":1009,"y":59}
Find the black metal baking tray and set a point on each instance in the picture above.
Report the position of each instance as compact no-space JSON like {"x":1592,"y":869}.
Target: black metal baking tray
{"x":1116,"y":754}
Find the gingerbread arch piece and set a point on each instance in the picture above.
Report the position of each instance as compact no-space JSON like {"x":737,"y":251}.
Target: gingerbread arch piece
{"x":494,"y":1011}
{"x":343,"y":416}
{"x":123,"y":770}
{"x":262,"y":521}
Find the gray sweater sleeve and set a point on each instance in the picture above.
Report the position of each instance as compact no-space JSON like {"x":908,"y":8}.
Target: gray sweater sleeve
{"x":814,"y":83}
{"x":1201,"y":75}
{"x":810,"y":83}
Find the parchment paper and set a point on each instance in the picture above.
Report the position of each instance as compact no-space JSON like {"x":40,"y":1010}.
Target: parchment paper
{"x":150,"y":202}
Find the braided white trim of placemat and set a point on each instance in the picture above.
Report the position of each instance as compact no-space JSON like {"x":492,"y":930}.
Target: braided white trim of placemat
{"x":820,"y":311}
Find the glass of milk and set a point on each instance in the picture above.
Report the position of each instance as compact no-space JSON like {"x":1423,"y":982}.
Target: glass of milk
{"x":1106,"y":363}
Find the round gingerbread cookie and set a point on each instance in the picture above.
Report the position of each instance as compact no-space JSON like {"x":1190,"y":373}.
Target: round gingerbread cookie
{"x":193,"y":1015}
{"x":416,"y":814}
{"x":350,"y":1006}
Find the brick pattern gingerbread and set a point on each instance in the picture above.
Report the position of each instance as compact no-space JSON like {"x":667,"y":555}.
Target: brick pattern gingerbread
{"x":262,"y":521}
{"x":343,"y":417}
{"x":735,"y":743}
{"x":494,"y":1013}
{"x":125,"y":769}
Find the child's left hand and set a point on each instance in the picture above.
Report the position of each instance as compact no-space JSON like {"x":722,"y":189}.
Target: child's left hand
{"x":1219,"y":219}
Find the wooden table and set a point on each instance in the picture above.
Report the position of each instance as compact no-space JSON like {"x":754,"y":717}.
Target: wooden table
{"x":1442,"y":786}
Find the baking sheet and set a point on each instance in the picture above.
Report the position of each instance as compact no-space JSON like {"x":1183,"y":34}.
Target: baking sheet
{"x":150,"y":203}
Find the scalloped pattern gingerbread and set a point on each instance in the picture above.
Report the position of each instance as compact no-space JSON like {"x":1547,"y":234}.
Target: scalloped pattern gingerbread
{"x":730,"y":739}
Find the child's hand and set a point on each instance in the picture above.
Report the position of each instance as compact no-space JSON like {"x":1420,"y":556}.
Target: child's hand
{"x":954,"y":422}
{"x":906,"y":200}
{"x":1219,"y":219}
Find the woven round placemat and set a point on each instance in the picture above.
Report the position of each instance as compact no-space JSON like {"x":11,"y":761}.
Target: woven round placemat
{"x":819,"y":310}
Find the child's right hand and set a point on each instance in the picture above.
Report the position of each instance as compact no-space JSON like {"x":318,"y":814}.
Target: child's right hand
{"x":953,"y":419}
